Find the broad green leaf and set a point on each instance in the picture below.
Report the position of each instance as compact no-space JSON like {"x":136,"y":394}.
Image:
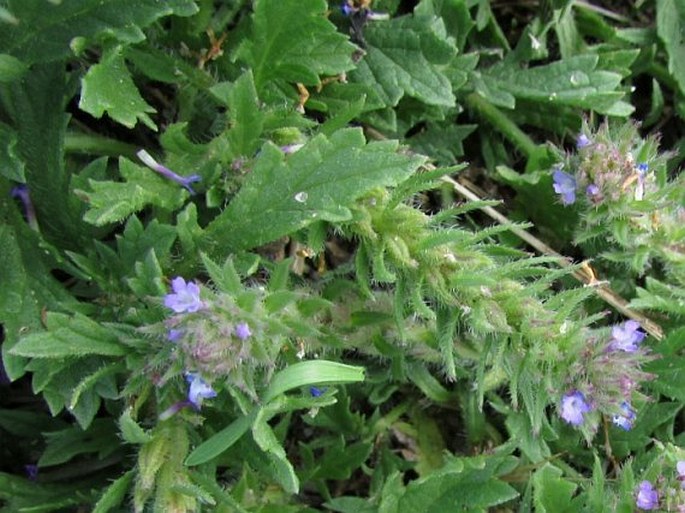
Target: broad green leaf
{"x":36,"y":106}
{"x":474,"y":487}
{"x":11,"y":68}
{"x":110,"y":202}
{"x":267,"y":441}
{"x":69,"y":337}
{"x":285,"y":193}
{"x":670,"y":27}
{"x":47,"y":30}
{"x":65,"y":444}
{"x":315,"y":372}
{"x":408,"y":56}
{"x":108,"y":87}
{"x":294,"y":41}
{"x":27,"y":286}
{"x":576,"y":81}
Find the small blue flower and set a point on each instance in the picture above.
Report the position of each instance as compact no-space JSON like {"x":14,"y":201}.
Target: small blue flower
{"x":348,"y":9}
{"x":626,"y":418}
{"x":680,"y":467}
{"x":31,"y":471}
{"x":316,"y":391}
{"x":582,"y":141}
{"x":185,"y":298}
{"x":565,"y":185}
{"x":573,"y":407}
{"x":199,"y":389}
{"x":647,"y":497}
{"x":626,"y":337}
{"x":242,"y":331}
{"x":184,"y":181}
{"x":21,"y":192}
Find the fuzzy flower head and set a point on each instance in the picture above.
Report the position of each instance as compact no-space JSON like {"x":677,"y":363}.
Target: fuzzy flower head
{"x":242,"y":331}
{"x":573,"y":407}
{"x":198,"y":390}
{"x":625,"y":419}
{"x":647,"y":497}
{"x":626,"y":337}
{"x":565,"y":185}
{"x":185,"y":296}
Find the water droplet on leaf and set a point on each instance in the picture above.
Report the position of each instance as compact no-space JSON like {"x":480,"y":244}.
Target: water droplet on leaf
{"x":301,"y":197}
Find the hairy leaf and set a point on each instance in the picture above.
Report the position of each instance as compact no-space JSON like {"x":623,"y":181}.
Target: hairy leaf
{"x":285,"y":193}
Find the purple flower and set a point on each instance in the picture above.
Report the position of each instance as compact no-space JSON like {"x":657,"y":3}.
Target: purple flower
{"x":642,"y":170}
{"x":185,"y":298}
{"x":626,"y":418}
{"x":174,"y":335}
{"x":565,"y":185}
{"x":21,"y":192}
{"x":348,"y":9}
{"x":150,"y":162}
{"x":626,"y":337}
{"x":199,"y":389}
{"x":242,"y":331}
{"x":647,"y":497}
{"x":582,"y":141}
{"x":31,"y":471}
{"x":573,"y":406}
{"x":592,"y":190}
{"x":680,"y":467}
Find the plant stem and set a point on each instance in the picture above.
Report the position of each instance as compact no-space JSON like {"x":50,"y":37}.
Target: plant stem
{"x":76,"y":142}
{"x":502,"y":123}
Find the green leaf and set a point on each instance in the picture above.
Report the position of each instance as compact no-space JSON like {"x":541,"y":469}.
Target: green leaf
{"x":295,"y":42}
{"x":47,"y":30}
{"x":111,"y":202}
{"x":468,"y":484}
{"x":316,"y":372}
{"x":247,"y":119}
{"x":221,"y":441}
{"x":68,"y":337}
{"x":670,"y":27}
{"x":36,"y":107}
{"x":406,"y":56}
{"x":131,"y":431}
{"x":114,"y":495}
{"x":576,"y":81}
{"x":11,"y":68}
{"x":11,"y":166}
{"x":552,"y":493}
{"x":285,"y":193}
{"x":108,"y":87}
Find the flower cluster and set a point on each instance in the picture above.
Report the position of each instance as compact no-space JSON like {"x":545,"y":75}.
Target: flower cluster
{"x":218,"y":336}
{"x":607,"y":375}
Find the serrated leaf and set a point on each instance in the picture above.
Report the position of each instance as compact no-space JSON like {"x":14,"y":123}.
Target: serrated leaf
{"x":670,"y":27}
{"x":247,"y":119}
{"x":285,"y":193}
{"x":69,"y":337}
{"x":406,"y":56}
{"x":111,"y":202}
{"x":294,"y":41}
{"x":108,"y":87}
{"x":472,"y":488}
{"x":46,"y":30}
{"x":576,"y":81}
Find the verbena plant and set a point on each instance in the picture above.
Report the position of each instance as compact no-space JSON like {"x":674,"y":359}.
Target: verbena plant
{"x":239,"y":274}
